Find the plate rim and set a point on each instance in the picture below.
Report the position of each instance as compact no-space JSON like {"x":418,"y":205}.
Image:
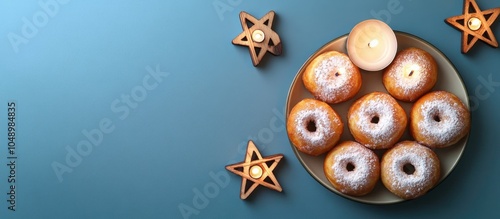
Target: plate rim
{"x":358,"y":199}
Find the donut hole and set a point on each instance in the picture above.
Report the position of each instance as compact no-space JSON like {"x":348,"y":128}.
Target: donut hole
{"x":337,"y":74}
{"x":436,"y":118}
{"x":375,"y":120}
{"x":411,"y":73}
{"x":311,"y":126}
{"x":350,"y":167}
{"x":408,"y":168}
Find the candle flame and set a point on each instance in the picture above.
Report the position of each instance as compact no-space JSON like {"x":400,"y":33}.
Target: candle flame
{"x":373,"y":43}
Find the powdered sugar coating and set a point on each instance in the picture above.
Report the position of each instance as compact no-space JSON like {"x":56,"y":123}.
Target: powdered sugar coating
{"x":365,"y":172}
{"x":382,"y":133}
{"x":325,"y":130}
{"x":404,"y":66}
{"x":383,"y":110}
{"x":412,"y":74}
{"x":449,"y":124}
{"x":334,"y":76}
{"x":443,"y":119}
{"x":410,"y":185}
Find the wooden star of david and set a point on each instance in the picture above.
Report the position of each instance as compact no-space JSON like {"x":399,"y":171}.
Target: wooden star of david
{"x":265,"y":177}
{"x":258,"y":36}
{"x":471,"y":34}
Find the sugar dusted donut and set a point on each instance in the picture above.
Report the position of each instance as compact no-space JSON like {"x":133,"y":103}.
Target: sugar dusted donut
{"x":439,"y":119}
{"x":332,"y":77}
{"x":409,"y":169}
{"x":412,"y":74}
{"x":377,"y":121}
{"x":314,"y":127}
{"x":352,"y":168}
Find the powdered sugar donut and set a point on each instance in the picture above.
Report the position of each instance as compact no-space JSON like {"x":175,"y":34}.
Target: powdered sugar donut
{"x":377,"y":121}
{"x":412,"y":74}
{"x":439,"y":119}
{"x":332,"y":77}
{"x":314,"y":127}
{"x":352,"y":168}
{"x":409,"y":169}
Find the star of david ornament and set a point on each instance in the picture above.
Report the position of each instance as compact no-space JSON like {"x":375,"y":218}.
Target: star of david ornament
{"x":259,"y":36}
{"x":256,"y":170}
{"x":475,"y":25}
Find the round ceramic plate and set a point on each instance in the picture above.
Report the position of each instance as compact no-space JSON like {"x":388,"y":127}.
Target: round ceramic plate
{"x":448,"y":80}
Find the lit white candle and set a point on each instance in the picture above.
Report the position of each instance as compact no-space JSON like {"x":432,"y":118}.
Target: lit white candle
{"x":372,"y":45}
{"x":255,"y":171}
{"x":258,"y":36}
{"x":474,"y":23}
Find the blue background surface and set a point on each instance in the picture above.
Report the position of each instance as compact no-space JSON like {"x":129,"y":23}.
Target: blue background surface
{"x":85,"y":56}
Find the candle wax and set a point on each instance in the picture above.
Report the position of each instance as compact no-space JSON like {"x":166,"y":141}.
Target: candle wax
{"x":372,"y":45}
